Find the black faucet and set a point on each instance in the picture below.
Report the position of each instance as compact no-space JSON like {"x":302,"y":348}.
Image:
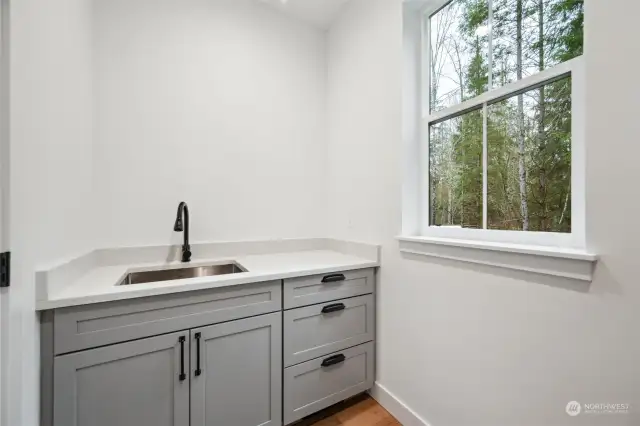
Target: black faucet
{"x":179,"y":227}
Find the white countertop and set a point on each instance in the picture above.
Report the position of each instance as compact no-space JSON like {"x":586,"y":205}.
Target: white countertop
{"x":100,"y":283}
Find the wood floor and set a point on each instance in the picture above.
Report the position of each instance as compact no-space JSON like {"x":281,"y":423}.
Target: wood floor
{"x":359,"y":411}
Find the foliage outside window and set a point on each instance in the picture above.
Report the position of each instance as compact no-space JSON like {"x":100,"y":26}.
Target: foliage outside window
{"x":499,"y":113}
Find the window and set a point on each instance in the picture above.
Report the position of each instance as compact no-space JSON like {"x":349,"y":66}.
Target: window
{"x":502,"y":121}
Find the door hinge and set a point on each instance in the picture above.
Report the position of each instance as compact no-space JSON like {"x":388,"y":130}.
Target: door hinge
{"x":5,"y":269}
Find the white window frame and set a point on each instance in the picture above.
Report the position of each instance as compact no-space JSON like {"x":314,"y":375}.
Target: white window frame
{"x":574,"y":67}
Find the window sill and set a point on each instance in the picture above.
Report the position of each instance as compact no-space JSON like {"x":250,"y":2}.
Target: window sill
{"x":567,"y":263}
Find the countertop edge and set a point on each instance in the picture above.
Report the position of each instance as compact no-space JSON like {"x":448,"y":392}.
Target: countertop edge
{"x":43,"y":305}
{"x":58,"y":276}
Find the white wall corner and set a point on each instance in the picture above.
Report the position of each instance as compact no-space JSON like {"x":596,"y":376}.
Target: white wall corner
{"x":571,"y":264}
{"x":396,"y":407}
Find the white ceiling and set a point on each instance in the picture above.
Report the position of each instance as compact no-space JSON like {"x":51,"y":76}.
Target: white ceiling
{"x":319,"y":13}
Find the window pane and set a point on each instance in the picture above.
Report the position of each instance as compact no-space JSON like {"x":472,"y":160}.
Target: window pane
{"x":455,"y":167}
{"x":529,"y":160}
{"x":533,"y":35}
{"x":459,"y":40}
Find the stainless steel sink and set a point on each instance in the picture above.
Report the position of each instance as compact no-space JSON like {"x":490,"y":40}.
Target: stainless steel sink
{"x":182,"y":273}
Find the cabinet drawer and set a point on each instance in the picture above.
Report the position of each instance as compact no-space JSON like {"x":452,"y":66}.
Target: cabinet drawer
{"x":310,"y":386}
{"x":324,"y":288}
{"x":88,"y":326}
{"x":317,"y":330}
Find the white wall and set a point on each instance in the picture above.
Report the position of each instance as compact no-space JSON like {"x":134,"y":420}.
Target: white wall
{"x":234,"y":105}
{"x":228,"y":114}
{"x":51,"y":209}
{"x":4,"y":205}
{"x":217,"y":103}
{"x":462,"y":346}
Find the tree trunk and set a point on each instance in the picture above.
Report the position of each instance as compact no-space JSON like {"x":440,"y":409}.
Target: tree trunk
{"x":522,"y":172}
{"x":460,"y":72}
{"x":541,"y":65}
{"x":433,"y":180}
{"x":546,"y":225}
{"x":450,"y":207}
{"x":434,"y":87}
{"x":564,"y":209}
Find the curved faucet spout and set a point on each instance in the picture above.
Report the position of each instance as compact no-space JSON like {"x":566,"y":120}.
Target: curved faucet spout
{"x":183,"y":226}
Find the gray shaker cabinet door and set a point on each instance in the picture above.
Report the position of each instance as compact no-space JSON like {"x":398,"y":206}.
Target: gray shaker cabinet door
{"x":135,"y":383}
{"x":239,"y":382}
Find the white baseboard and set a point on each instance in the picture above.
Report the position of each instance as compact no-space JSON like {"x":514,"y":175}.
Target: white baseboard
{"x":397,"y":408}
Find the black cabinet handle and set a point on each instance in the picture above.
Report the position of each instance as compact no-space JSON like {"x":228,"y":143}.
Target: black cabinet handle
{"x":333,"y":308}
{"x":198,"y":370}
{"x":182,"y":376}
{"x":333,"y":278}
{"x":333,"y":360}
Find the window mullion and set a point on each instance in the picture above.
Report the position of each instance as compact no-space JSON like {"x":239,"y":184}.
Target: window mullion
{"x":485,"y":163}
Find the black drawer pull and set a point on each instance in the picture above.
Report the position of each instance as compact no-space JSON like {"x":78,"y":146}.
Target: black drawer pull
{"x":333,"y":360}
{"x":198,"y":369}
{"x":182,"y":376}
{"x":333,"y":278}
{"x":333,"y":308}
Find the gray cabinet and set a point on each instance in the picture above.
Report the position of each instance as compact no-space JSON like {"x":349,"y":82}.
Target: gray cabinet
{"x":217,"y":355}
{"x":135,"y":383}
{"x":237,"y":373}
{"x":227,"y":374}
